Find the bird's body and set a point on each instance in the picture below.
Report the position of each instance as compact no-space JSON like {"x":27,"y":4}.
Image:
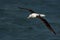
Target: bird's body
{"x":41,"y":17}
{"x":34,"y":15}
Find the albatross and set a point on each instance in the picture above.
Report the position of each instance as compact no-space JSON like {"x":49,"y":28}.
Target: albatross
{"x":34,"y":14}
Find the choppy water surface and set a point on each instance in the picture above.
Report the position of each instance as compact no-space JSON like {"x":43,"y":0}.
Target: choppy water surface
{"x":14,"y":24}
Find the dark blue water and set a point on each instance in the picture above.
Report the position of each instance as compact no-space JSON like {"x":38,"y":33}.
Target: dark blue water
{"x":14,"y":24}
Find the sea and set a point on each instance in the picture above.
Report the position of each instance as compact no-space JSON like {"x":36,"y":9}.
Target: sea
{"x":14,"y":24}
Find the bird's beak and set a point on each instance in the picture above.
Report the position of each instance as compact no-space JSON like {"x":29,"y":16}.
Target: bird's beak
{"x":28,"y":17}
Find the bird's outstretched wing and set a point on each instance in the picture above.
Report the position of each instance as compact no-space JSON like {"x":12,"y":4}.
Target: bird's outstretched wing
{"x":47,"y":24}
{"x":27,"y":9}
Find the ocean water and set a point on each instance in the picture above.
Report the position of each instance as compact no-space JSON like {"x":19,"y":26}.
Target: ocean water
{"x":14,"y":24}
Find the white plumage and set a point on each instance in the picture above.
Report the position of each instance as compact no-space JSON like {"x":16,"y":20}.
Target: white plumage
{"x":34,"y":15}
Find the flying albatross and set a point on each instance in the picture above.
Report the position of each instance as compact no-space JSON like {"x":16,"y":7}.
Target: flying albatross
{"x":39,"y":16}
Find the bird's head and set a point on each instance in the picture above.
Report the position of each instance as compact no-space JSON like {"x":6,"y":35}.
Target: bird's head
{"x":34,"y":15}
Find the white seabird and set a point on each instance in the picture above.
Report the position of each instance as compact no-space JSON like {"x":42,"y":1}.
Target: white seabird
{"x":41,"y":17}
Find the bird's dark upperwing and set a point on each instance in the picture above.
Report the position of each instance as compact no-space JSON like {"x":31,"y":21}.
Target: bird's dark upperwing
{"x":47,"y":24}
{"x":27,"y":9}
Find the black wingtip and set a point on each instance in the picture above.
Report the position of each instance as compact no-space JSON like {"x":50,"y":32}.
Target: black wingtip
{"x":23,"y":8}
{"x":30,"y":10}
{"x":20,"y":8}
